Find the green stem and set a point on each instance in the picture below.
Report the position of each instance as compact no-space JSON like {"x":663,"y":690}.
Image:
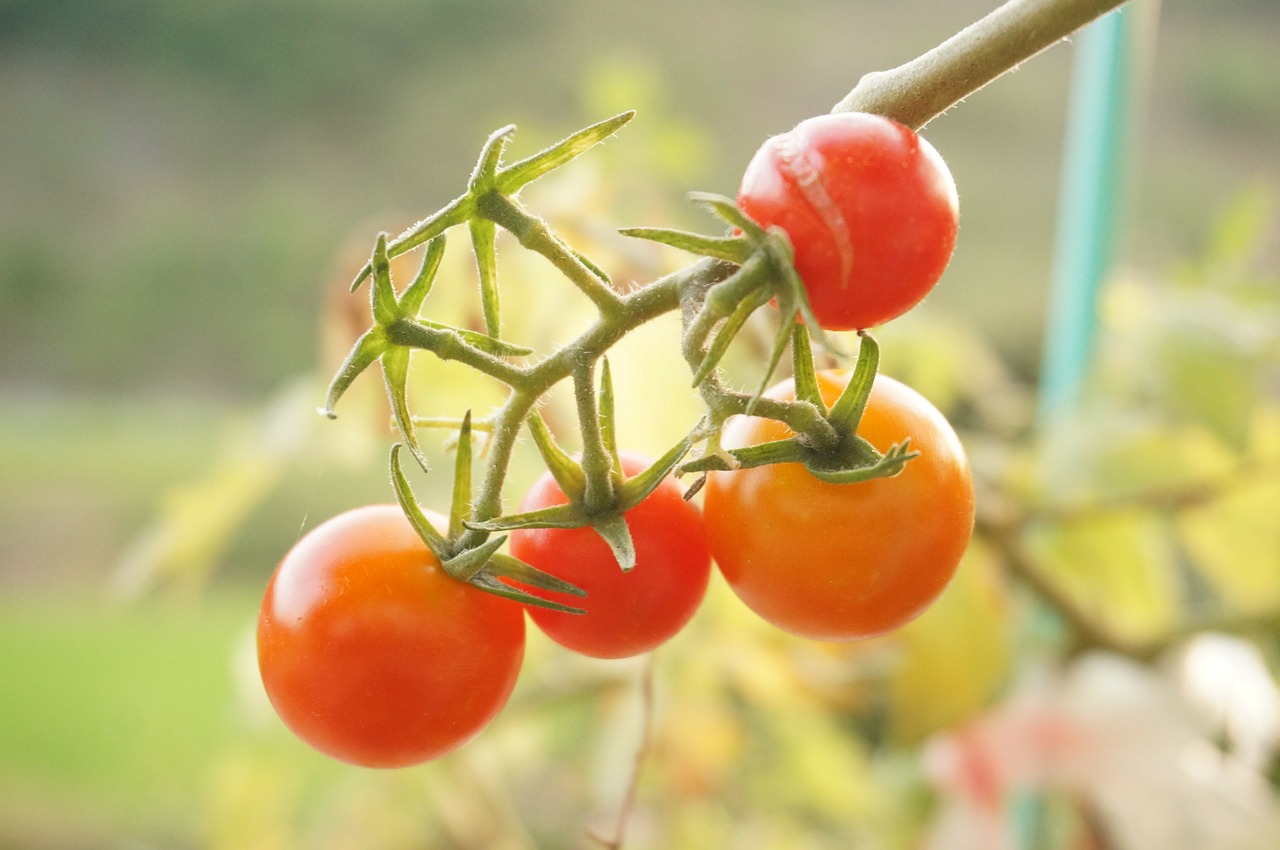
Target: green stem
{"x":534,"y":234}
{"x":800,"y":416}
{"x":922,"y":89}
{"x":449,"y":345}
{"x":596,"y":464}
{"x":506,"y":430}
{"x":527,"y":386}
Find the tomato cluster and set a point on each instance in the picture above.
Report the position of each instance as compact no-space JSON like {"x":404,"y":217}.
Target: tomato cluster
{"x":374,"y":654}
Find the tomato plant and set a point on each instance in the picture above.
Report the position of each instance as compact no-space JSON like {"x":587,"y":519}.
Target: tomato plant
{"x":870,"y":209}
{"x":627,"y":612}
{"x":372,"y":654}
{"x":844,"y":561}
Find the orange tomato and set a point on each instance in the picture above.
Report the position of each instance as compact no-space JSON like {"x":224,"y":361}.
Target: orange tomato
{"x":844,"y":561}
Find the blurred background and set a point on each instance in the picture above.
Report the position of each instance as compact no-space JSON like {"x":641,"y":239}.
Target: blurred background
{"x":187,"y":190}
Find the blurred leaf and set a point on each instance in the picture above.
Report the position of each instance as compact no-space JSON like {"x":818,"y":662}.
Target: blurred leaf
{"x":1211,"y":377}
{"x":1120,"y":565}
{"x":1113,"y":454}
{"x":1234,"y":542}
{"x":1197,"y":353}
{"x":1240,"y":229}
{"x":197,"y":521}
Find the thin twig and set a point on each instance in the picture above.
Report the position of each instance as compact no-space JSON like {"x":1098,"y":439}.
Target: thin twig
{"x":1088,"y":631}
{"x":642,"y":754}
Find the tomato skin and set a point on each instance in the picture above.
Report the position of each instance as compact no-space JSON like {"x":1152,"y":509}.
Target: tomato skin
{"x":844,"y":561}
{"x":627,"y":613}
{"x":869,"y":206}
{"x":372,"y":654}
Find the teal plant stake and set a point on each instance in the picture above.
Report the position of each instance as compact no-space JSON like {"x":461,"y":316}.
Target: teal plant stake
{"x":1088,"y":202}
{"x":1087,"y":205}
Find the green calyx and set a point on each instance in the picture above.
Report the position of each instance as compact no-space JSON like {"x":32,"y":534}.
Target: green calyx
{"x":842,"y":457}
{"x":482,"y":566}
{"x":599,"y":494}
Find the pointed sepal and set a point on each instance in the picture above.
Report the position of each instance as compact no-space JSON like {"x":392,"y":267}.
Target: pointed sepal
{"x":564,"y":469}
{"x":614,"y":531}
{"x":847,"y":412}
{"x":514,"y":177}
{"x":369,"y":347}
{"x":409,"y":504}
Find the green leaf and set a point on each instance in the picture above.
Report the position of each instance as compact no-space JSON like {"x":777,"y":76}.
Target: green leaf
{"x":780,"y":342}
{"x":1233,"y":542}
{"x":484,"y":342}
{"x":460,"y":504}
{"x":559,"y":516}
{"x":411,"y":300}
{"x":458,"y":211}
{"x":382,"y":294}
{"x":803,"y":370}
{"x":513,"y":177}
{"x":788,"y":450}
{"x":637,"y":488}
{"x":1120,"y":566}
{"x":731,"y":249}
{"x":847,"y":412}
{"x":513,"y":569}
{"x":369,"y":347}
{"x":728,"y":210}
{"x":483,"y":236}
{"x":609,"y":420}
{"x":409,"y":504}
{"x":590,"y":265}
{"x":395,"y":372}
{"x":793,"y":298}
{"x":564,"y":469}
{"x":728,"y":331}
{"x":878,"y":466}
{"x":489,"y":584}
{"x":484,"y":177}
{"x":467,"y":563}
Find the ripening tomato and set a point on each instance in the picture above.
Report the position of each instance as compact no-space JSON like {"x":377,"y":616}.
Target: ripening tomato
{"x":844,"y":561}
{"x":870,"y":209}
{"x":372,"y":654}
{"x":628,"y":613}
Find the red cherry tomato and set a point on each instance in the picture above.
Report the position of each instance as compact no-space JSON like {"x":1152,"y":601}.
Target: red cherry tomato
{"x":627,"y":613}
{"x":870,"y":209}
{"x":372,"y":654}
{"x":844,"y":561}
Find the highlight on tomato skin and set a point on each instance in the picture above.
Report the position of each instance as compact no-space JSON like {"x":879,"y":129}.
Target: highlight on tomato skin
{"x":870,"y":208}
{"x":844,"y":561}
{"x":372,"y":654}
{"x":627,"y":613}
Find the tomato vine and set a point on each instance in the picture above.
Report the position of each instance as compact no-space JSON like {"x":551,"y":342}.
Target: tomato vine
{"x":815,"y":431}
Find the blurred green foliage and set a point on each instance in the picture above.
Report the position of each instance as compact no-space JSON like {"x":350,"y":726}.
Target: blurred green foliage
{"x":180,"y":173}
{"x":183,"y":182}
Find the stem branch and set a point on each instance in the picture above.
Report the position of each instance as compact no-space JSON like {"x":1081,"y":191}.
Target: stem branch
{"x":922,"y":89}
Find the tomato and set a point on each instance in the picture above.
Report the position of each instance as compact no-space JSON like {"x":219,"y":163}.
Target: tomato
{"x":870,"y":209}
{"x":628,"y":613}
{"x":844,"y":561}
{"x":372,"y":654}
